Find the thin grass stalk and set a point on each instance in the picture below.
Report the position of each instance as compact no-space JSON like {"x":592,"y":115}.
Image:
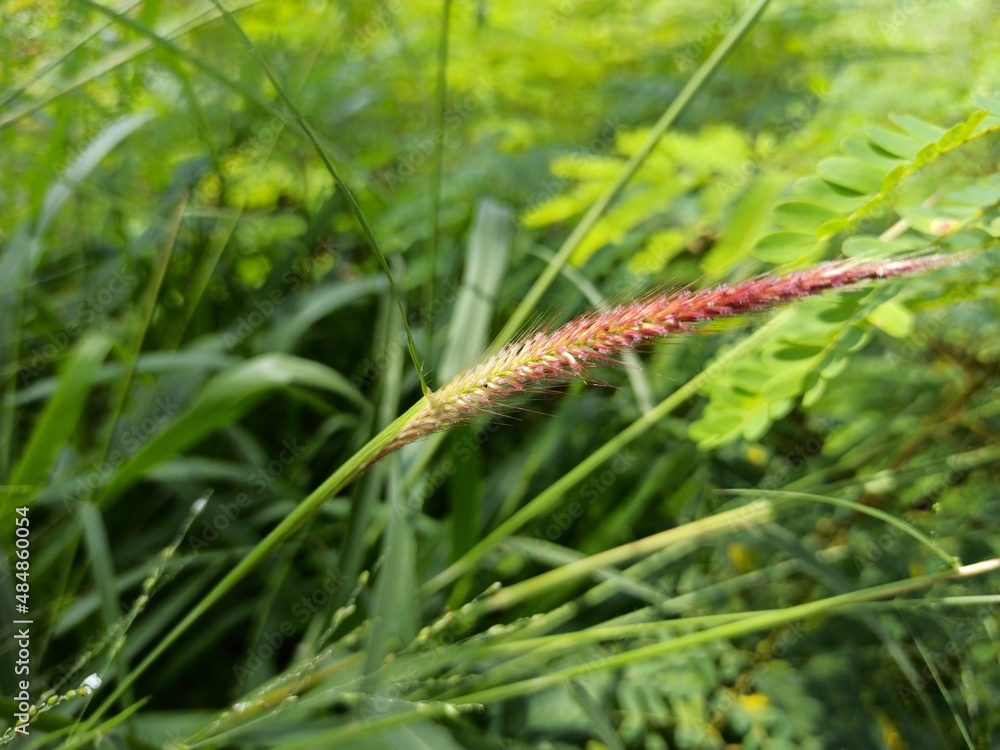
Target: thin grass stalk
{"x":906,"y":528}
{"x":763,"y":620}
{"x":604,"y":201}
{"x":348,"y":194}
{"x":436,"y":169}
{"x":347,"y":473}
{"x":734,"y":519}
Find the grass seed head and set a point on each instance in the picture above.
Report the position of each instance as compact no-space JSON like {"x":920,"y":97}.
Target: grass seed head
{"x":546,"y":358}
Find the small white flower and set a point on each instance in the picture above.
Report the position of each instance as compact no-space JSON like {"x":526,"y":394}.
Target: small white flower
{"x":92,"y":681}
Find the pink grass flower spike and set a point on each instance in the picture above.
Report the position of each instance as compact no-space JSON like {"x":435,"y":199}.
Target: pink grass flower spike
{"x":547,"y":358}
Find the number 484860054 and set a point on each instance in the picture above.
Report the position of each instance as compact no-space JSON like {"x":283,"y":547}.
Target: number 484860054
{"x":21,"y":548}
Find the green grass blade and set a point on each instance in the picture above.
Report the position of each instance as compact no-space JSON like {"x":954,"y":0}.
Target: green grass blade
{"x":221,"y":402}
{"x":950,"y":560}
{"x":720,"y":523}
{"x":344,"y":475}
{"x":485,"y":267}
{"x":61,"y":416}
{"x":761,"y":621}
{"x":101,"y":561}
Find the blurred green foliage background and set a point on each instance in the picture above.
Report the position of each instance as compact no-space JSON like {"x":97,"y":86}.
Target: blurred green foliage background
{"x":190,"y":308}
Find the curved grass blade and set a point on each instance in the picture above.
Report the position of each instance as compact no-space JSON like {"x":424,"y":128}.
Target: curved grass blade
{"x":341,"y":185}
{"x":108,"y":63}
{"x":294,"y":521}
{"x":61,"y":415}
{"x":222,"y":401}
{"x":437,"y":166}
{"x":950,"y":560}
{"x":597,"y":209}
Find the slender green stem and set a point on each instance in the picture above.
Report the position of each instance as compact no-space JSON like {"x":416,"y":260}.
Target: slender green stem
{"x":564,"y":575}
{"x":604,"y":201}
{"x":437,"y":168}
{"x":341,"y":185}
{"x":762,"y":621}
{"x":291,"y":523}
{"x":950,"y":560}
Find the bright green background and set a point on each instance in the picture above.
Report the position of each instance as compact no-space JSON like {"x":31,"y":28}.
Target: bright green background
{"x":190,"y":305}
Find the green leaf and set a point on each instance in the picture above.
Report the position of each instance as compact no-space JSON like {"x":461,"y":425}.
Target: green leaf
{"x":851,"y":174}
{"x":757,"y":422}
{"x":716,"y":427}
{"x":815,"y":388}
{"x":485,"y":267}
{"x":894,"y":143}
{"x":870,"y":246}
{"x":853,"y":339}
{"x":922,"y":131}
{"x":796,"y":353}
{"x":894,"y":176}
{"x":824,"y":194}
{"x":837,"y":364}
{"x":977,"y":194}
{"x":787,"y":247}
{"x":868,"y":153}
{"x":801,"y":216}
{"x":785,"y":384}
{"x":893,"y":318}
{"x":830,"y":228}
